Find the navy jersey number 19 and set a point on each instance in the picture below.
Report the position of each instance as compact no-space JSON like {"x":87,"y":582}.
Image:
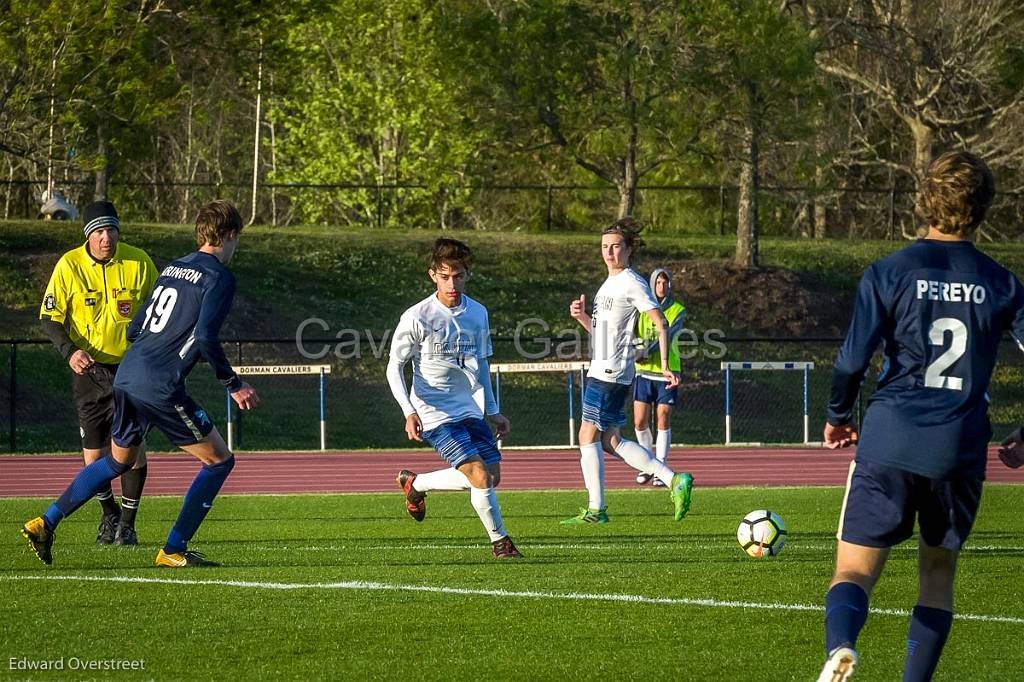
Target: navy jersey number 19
{"x":160,"y":309}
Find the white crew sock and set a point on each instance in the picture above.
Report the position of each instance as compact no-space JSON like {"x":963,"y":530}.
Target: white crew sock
{"x":442,"y":479}
{"x":662,"y":454}
{"x":641,"y":459}
{"x":592,"y":464}
{"x":643,"y":436}
{"x":485,"y":501}
{"x":664,"y":441}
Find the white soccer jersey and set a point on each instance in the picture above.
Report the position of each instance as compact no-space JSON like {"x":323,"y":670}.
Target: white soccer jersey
{"x":618,"y":302}
{"x":448,"y":348}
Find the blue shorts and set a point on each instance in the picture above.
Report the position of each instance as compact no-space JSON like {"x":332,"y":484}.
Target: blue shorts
{"x":653,"y":392}
{"x":882,"y":503}
{"x":604,"y":404}
{"x":461,"y":441}
{"x":184,"y":422}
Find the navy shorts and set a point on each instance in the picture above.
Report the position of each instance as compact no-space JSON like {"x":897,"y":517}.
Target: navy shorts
{"x":458,"y":442}
{"x":183,"y":421}
{"x":653,"y":392}
{"x":604,"y":404}
{"x":882,"y":503}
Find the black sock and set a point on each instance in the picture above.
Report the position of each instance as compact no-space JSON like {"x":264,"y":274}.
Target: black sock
{"x":132,"y":483}
{"x":106,"y":498}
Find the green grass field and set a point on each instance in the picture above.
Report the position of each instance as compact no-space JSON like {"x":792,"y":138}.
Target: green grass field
{"x":348,"y":587}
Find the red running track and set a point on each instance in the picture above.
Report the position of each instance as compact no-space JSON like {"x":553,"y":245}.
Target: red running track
{"x":343,"y":472}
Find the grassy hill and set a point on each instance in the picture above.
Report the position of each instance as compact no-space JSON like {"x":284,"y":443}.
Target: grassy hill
{"x":364,"y":279}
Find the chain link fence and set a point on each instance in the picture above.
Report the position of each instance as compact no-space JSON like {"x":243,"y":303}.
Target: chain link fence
{"x":37,"y":413}
{"x":857,"y":212}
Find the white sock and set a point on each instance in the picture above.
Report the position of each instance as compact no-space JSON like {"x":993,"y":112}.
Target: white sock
{"x":442,"y":479}
{"x":641,"y":459}
{"x":664,"y":441}
{"x":486,"y":504}
{"x":643,"y":436}
{"x":592,"y":463}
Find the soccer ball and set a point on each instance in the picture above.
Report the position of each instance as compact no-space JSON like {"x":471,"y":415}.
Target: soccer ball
{"x":761,"y":533}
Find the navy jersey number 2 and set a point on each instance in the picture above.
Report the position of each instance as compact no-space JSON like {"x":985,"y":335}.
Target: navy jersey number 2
{"x":939,"y":310}
{"x":956,"y":331}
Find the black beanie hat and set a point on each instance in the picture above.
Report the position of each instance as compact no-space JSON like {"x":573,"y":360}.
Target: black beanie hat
{"x":100,"y":214}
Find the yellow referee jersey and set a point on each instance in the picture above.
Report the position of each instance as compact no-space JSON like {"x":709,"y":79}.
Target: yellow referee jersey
{"x":96,"y":301}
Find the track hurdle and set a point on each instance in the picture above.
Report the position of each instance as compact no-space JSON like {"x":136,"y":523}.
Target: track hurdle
{"x":254,"y":370}
{"x":569,"y":368}
{"x":730,"y":367}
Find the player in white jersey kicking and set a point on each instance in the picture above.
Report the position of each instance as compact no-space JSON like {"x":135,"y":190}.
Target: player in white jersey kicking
{"x":447,"y":337}
{"x":619,"y":300}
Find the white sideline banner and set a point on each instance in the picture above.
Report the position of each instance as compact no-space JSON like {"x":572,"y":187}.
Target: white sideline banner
{"x":513,"y":367}
{"x":251,"y":370}
{"x":768,"y":365}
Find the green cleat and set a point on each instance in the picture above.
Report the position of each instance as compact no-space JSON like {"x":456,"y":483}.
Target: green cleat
{"x":587,"y":516}
{"x":40,"y":539}
{"x":682,"y":487}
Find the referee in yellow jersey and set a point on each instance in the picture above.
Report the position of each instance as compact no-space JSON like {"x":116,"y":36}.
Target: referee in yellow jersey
{"x":93,"y":293}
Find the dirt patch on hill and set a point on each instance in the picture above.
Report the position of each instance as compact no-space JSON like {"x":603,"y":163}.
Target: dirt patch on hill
{"x":760,"y":302}
{"x":40,"y":267}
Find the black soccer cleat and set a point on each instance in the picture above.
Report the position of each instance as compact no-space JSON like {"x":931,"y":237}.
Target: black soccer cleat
{"x":126,"y":535}
{"x":108,"y":529}
{"x":40,"y":539}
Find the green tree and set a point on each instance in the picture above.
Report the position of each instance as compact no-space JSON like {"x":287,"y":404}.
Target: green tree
{"x":755,"y":73}
{"x":600,"y":82}
{"x":923,"y":76}
{"x":113,"y":79}
{"x":367,"y":105}
{"x":227,"y":58}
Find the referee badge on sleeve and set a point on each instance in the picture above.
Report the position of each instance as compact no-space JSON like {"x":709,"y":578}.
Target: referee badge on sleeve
{"x":49,"y":303}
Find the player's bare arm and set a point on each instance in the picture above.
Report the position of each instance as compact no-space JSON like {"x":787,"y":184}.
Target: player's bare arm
{"x":500,"y":423}
{"x":840,"y":436}
{"x":578,"y":311}
{"x":246,"y":397}
{"x":414,"y":427}
{"x":1011,"y":451}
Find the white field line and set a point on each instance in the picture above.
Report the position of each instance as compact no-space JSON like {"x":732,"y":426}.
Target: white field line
{"x":604,"y":546}
{"x":505,"y":594}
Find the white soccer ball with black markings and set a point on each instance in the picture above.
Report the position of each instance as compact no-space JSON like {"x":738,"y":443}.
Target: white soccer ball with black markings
{"x":762,"y":533}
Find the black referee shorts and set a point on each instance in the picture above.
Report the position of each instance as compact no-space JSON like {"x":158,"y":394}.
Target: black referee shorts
{"x":94,"y":400}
